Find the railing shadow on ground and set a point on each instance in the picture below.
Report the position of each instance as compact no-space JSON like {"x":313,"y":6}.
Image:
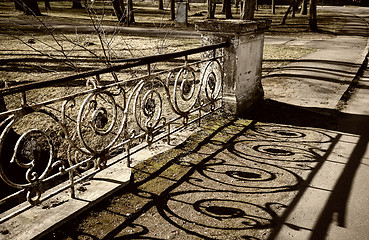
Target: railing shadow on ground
{"x":312,"y":69}
{"x":330,"y":120}
{"x":328,"y":66}
{"x":242,"y":181}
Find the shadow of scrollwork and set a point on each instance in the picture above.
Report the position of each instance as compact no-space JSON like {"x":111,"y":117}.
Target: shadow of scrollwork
{"x":245,"y":176}
{"x":256,"y":165}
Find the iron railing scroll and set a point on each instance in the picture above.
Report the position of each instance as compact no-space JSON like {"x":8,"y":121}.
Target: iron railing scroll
{"x":59,"y":132}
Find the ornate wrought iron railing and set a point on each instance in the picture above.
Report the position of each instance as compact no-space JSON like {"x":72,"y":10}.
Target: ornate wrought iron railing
{"x":59,"y":132}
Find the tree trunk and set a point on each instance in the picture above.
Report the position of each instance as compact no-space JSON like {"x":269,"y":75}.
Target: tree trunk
{"x":130,"y":16}
{"x":77,"y":4}
{"x":161,"y":4}
{"x":119,"y":10}
{"x":286,"y":13}
{"x":172,"y":10}
{"x":31,"y":7}
{"x":313,"y":25}
{"x":304,"y":7}
{"x":273,"y":6}
{"x":47,"y":5}
{"x":227,"y":7}
{"x":18,"y":5}
{"x":237,"y":3}
{"x":248,"y":9}
{"x":211,"y":9}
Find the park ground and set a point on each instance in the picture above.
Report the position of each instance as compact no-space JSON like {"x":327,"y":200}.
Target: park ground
{"x":39,"y":48}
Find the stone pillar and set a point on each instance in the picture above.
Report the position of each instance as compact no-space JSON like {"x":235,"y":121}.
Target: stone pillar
{"x":182,"y":12}
{"x":242,"y":59}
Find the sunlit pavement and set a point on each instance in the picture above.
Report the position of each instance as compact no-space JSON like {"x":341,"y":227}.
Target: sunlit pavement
{"x":334,"y":203}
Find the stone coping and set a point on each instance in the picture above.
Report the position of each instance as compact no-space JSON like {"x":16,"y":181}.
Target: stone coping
{"x":39,"y":220}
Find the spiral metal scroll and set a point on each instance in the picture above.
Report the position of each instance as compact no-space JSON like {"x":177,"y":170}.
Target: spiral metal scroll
{"x":148,"y":107}
{"x":94,"y":122}
{"x":212,"y":80}
{"x":34,"y":159}
{"x":33,"y":155}
{"x":97,"y":117}
{"x":186,"y":91}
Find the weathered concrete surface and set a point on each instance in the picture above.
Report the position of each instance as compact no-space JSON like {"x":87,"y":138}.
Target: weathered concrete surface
{"x":323,"y":75}
{"x":39,"y":220}
{"x":334,"y":204}
{"x":242,"y":59}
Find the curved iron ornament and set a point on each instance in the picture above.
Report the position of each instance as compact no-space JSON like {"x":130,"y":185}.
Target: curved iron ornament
{"x":185,"y":91}
{"x":96,"y":119}
{"x":147,"y":108}
{"x":213,"y":81}
{"x":29,"y":154}
{"x":111,"y":113}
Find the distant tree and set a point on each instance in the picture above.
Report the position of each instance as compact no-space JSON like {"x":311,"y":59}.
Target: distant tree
{"x":293,"y":7}
{"x":124,"y":13}
{"x":247,"y":9}
{"x":286,"y":13}
{"x":304,"y":5}
{"x":161,"y":4}
{"x":18,"y":5}
{"x":29,"y":7}
{"x":227,"y":9}
{"x":237,"y":3}
{"x":131,"y":18}
{"x":120,"y":10}
{"x":273,"y":6}
{"x":211,"y":9}
{"x":313,"y":24}
{"x":47,"y":5}
{"x":172,"y":10}
{"x":77,"y":4}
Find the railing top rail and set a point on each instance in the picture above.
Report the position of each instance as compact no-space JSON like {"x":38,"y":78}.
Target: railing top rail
{"x":129,"y":63}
